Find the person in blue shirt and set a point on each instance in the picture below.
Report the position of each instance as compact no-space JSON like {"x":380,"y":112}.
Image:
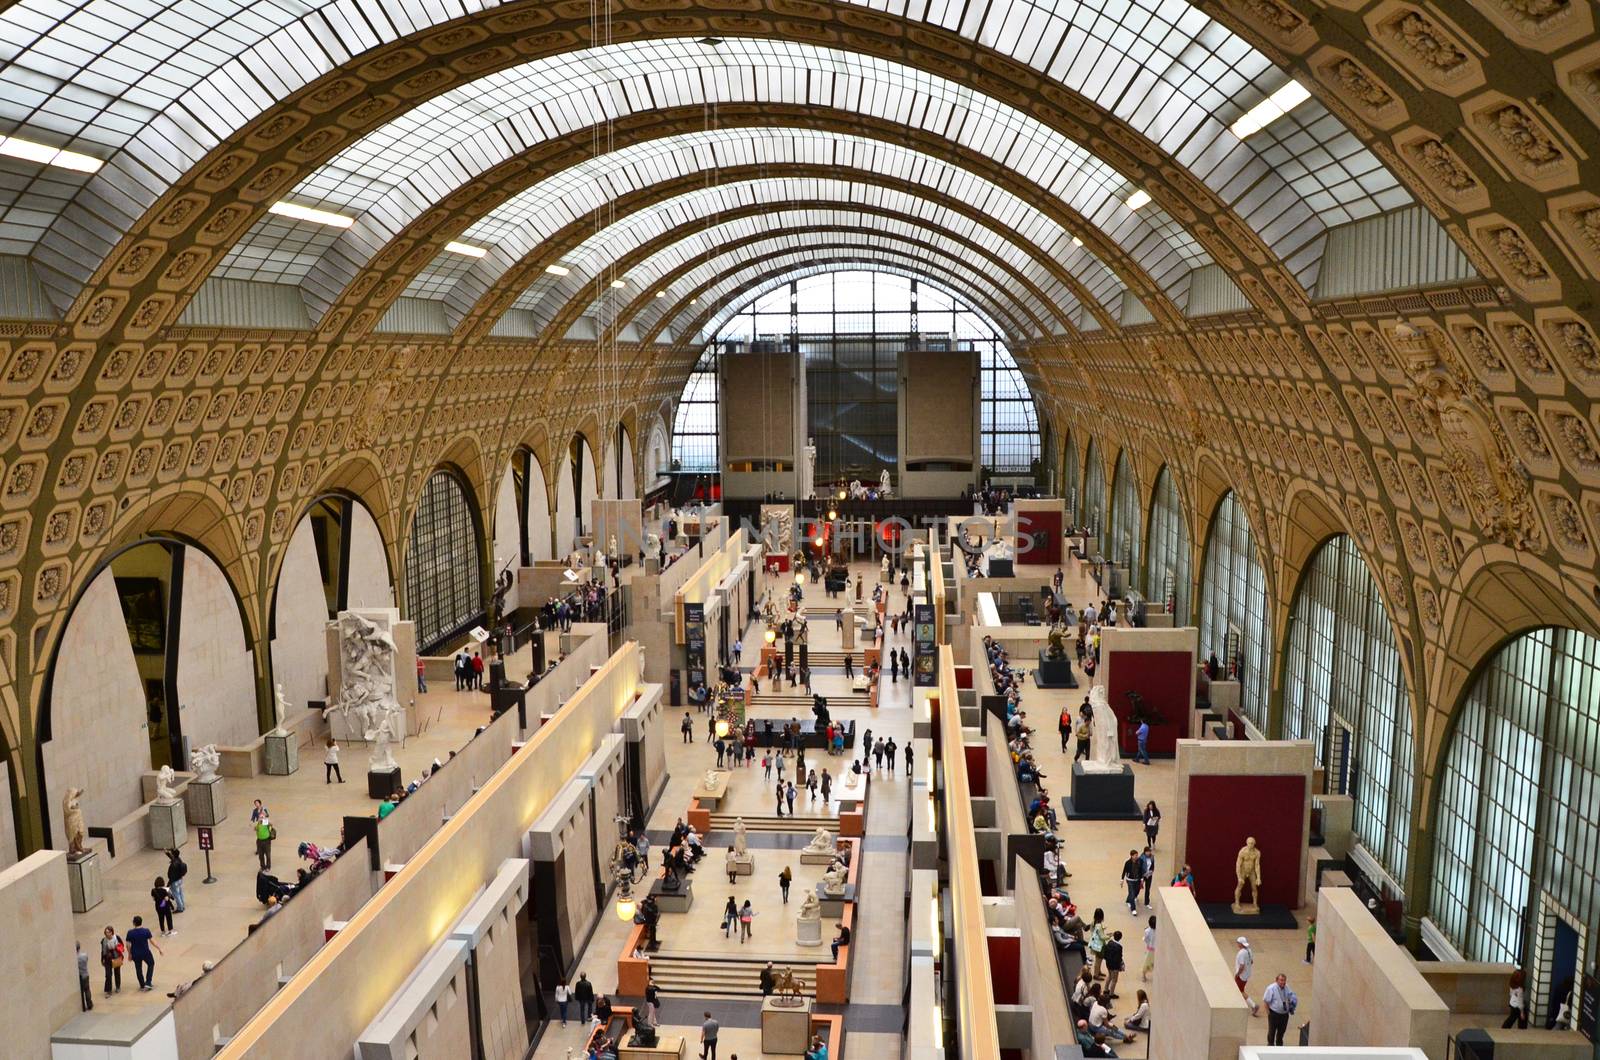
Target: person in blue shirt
{"x":1143,"y":734}
{"x":139,"y":942}
{"x":1281,"y":1003}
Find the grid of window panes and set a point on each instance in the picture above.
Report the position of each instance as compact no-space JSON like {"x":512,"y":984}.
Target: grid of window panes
{"x":851,"y":327}
{"x":1168,"y":549}
{"x":1518,"y":794}
{"x":1342,"y":659}
{"x":1233,"y":591}
{"x":444,"y":592}
{"x":1069,"y":478}
{"x":1126,"y":540}
{"x":694,"y":425}
{"x":1093,"y":509}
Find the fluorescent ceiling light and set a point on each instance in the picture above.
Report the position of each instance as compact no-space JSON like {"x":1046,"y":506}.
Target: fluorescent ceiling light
{"x":618,"y":283}
{"x":1139,"y":198}
{"x":17,"y":147}
{"x":557,"y":270}
{"x":1270,"y":109}
{"x":661,"y":294}
{"x":307,"y":213}
{"x":465,"y":249}
{"x":1077,"y":242}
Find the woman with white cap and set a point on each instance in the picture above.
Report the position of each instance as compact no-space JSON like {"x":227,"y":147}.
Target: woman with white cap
{"x":1243,"y":963}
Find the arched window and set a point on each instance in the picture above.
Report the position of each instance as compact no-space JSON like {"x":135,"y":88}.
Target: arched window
{"x":1344,"y":691}
{"x":1167,"y":569}
{"x":1127,"y":517}
{"x":1093,"y":511}
{"x":694,"y":426}
{"x":1233,"y":599}
{"x":1516,"y":860}
{"x":444,"y":590}
{"x":1069,"y":478}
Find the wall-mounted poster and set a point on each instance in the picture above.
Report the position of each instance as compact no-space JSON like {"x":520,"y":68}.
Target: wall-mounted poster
{"x":694,"y":643}
{"x":144,"y":610}
{"x":923,"y":664}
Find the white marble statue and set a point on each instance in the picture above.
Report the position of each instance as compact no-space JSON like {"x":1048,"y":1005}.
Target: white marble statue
{"x":808,"y":480}
{"x":741,"y":838}
{"x":381,"y":736}
{"x":204,"y":761}
{"x":810,"y":908}
{"x":166,"y":780}
{"x":883,"y":483}
{"x":821,"y":842}
{"x":834,"y":879}
{"x":1104,"y":754}
{"x":709,"y":781}
{"x":367,"y":679}
{"x":852,"y":780}
{"x":72,"y":823}
{"x":280,"y":710}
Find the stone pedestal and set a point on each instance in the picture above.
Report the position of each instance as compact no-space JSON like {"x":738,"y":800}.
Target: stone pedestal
{"x":169,"y":828}
{"x":282,"y":754}
{"x":206,"y":800}
{"x":83,"y":881}
{"x":808,"y":932}
{"x":745,"y":864}
{"x":818,"y":857}
{"x":785,"y":1030}
{"x":666,"y":1046}
{"x":381,"y":783}
{"x":1100,"y":796}
{"x":833,"y":903}
{"x":677,"y":901}
{"x":1054,"y":673}
{"x":847,"y":635}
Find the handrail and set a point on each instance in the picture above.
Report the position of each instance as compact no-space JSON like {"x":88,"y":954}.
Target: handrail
{"x":979,"y":1034}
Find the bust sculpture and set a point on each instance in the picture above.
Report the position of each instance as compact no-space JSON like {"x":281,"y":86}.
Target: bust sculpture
{"x":72,"y":823}
{"x":741,"y":837}
{"x":165,"y":781}
{"x":1247,"y":870}
{"x":821,"y":842}
{"x":834,"y":879}
{"x":810,"y":908}
{"x":204,"y":761}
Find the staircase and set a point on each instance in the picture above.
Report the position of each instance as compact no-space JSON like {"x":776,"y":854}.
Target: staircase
{"x":796,"y":704}
{"x":804,"y":824}
{"x":702,"y":976}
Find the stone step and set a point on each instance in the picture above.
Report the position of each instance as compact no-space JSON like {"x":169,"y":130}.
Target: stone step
{"x":718,"y":977}
{"x":724,"y":822}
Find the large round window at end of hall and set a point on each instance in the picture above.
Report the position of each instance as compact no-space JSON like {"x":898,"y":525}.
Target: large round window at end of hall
{"x":851,"y":327}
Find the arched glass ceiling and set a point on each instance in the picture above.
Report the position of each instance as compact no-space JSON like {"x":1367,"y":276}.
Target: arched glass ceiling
{"x":717,"y":304}
{"x":553,"y":293}
{"x":650,"y":275}
{"x":151,"y":86}
{"x":273,"y":250}
{"x":981,"y":273}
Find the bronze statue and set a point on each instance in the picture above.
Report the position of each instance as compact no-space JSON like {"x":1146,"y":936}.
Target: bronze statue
{"x":787,"y":990}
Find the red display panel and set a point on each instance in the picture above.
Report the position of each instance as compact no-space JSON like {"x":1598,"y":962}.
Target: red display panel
{"x":1039,"y":537}
{"x":1226,"y":809}
{"x":1162,"y":678}
{"x":1005,"y":968}
{"x":977,"y":769}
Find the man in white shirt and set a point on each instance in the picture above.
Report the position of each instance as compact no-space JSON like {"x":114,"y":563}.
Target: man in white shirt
{"x":1243,"y":963}
{"x":1281,"y":1003}
{"x":1100,"y":1022}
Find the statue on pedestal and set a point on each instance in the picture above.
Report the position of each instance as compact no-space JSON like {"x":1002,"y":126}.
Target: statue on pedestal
{"x":1058,"y":646}
{"x":883,"y":484}
{"x":644,"y":1029}
{"x":741,"y":838}
{"x":381,"y":760}
{"x":1247,"y":870}
{"x":833,"y":880}
{"x":280,"y":710}
{"x":787,"y":990}
{"x":1104,"y":754}
{"x":72,"y":823}
{"x":808,"y":481}
{"x":821,"y":842}
{"x":165,"y":781}
{"x":205,"y":761}
{"x":709,"y":781}
{"x":810,"y":908}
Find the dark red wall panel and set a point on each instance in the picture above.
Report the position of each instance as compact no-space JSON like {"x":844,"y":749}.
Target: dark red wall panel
{"x":978,"y":769}
{"x":1039,"y":539}
{"x":1162,"y":678}
{"x":1005,"y":968}
{"x":1223,"y":811}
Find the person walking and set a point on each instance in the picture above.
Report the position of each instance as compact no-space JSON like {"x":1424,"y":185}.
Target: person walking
{"x":163,"y":902}
{"x":583,"y":994}
{"x":766,"y":766}
{"x":1281,"y":1003}
{"x":330,"y":762}
{"x":785,"y":878}
{"x":708,"y":1038}
{"x":1081,"y":732}
{"x":1149,"y":952}
{"x":1152,"y":823}
{"x":1311,"y":939}
{"x":738,"y":650}
{"x":769,"y":980}
{"x":1097,"y":941}
{"x":731,"y":862}
{"x":422,"y":676}
{"x":826,"y":783}
{"x":176,"y":871}
{"x":85,"y":994}
{"x":563,"y":995}
{"x":1516,"y":1001}
{"x":877,"y":756}
{"x":265,"y":834}
{"x":1114,"y":964}
{"x":719,"y":747}
{"x":1243,"y":963}
{"x":1142,"y":734}
{"x":687,"y":728}
{"x":1064,"y":726}
{"x":790,"y":795}
{"x":849,"y":666}
{"x":747,"y":917}
{"x":140,"y":940}
{"x":909,"y":754}
{"x":730,"y":917}
{"x":1147,"y":863}
{"x":779,"y":791}
{"x":781,"y":762}
{"x":811,"y":785}
{"x":1133,"y":879}
{"x":112,"y":954}
{"x":888,"y":752}
{"x":477,"y":671}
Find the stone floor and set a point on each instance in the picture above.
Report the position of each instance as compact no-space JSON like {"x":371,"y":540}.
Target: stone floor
{"x":1094,"y":851}
{"x":303,"y":807}
{"x":873,"y":1017}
